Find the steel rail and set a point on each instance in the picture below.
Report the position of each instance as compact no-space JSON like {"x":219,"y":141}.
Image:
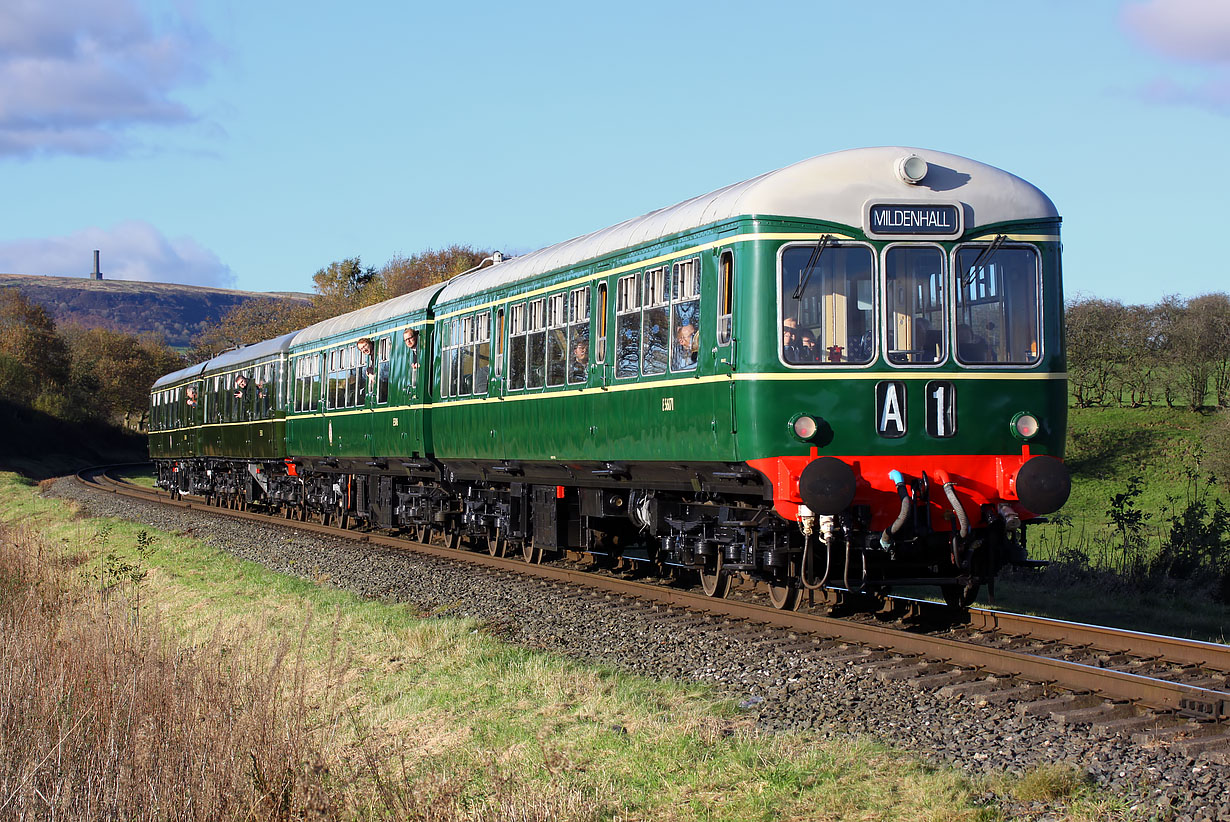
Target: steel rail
{"x":1074,"y":676}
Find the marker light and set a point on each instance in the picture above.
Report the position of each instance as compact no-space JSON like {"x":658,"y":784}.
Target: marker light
{"x":911,"y":169}
{"x":804,"y":427}
{"x":1024,"y":425}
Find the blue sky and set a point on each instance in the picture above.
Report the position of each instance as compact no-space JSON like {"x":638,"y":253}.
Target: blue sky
{"x":246,"y":145}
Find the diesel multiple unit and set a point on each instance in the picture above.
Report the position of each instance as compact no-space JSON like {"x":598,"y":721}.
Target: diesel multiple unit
{"x":845,"y":373}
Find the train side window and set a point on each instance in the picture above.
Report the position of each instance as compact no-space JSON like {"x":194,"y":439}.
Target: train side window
{"x":518,"y":326}
{"x":383,"y":368}
{"x":627,"y":327}
{"x":655,"y":329}
{"x":726,"y":297}
{"x":557,"y":340}
{"x":497,"y":360}
{"x":315,"y":363}
{"x":296,"y":395}
{"x":600,"y":309}
{"x":356,"y":377}
{"x":685,"y":314}
{"x":998,"y":317}
{"x":482,"y":351}
{"x":446,"y":356}
{"x":536,"y":344}
{"x":578,"y":335}
{"x":336,"y":386}
{"x":465,"y":357}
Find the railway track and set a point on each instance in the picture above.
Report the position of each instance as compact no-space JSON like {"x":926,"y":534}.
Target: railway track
{"x":1153,"y":689}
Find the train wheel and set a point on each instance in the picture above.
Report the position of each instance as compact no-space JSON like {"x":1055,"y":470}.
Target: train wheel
{"x":530,"y":552}
{"x":496,"y":544}
{"x":782,"y":591}
{"x":784,"y":597}
{"x":713,"y":580}
{"x":960,"y":596}
{"x":343,"y":519}
{"x":422,"y":533}
{"x":446,"y":538}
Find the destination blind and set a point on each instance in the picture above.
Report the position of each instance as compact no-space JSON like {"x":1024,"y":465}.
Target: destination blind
{"x":914,"y":219}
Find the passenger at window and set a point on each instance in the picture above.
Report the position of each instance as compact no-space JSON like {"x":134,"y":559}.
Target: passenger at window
{"x":580,"y":361}
{"x":411,"y":338}
{"x":366,"y":362}
{"x":241,"y":387}
{"x":190,"y":395}
{"x":687,"y":343}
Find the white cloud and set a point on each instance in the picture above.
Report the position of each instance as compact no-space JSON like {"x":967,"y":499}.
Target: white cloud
{"x":75,"y":75}
{"x":132,"y":250}
{"x":1194,"y":33}
{"x":1192,"y":30}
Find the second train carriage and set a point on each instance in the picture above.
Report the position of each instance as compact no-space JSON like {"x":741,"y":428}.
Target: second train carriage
{"x":848,"y":372}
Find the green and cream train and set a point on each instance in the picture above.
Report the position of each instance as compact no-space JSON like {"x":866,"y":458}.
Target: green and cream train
{"x":845,"y":373}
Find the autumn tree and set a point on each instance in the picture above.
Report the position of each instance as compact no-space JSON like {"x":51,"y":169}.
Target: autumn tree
{"x":34,"y":361}
{"x":253,"y":321}
{"x":401,"y":275}
{"x":343,"y":286}
{"x":117,"y":370}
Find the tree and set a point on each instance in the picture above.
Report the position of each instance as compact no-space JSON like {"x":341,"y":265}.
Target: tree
{"x":1095,"y":329}
{"x":1198,"y":345}
{"x":401,"y":275}
{"x":1211,"y":314}
{"x":115,"y":372}
{"x":344,"y":286}
{"x":36,"y":362}
{"x":253,"y":321}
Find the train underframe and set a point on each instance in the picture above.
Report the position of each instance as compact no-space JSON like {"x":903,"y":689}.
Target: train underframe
{"x":716,"y":522}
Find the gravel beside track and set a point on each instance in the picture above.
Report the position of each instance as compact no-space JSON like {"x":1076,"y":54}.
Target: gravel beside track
{"x":783,"y":682}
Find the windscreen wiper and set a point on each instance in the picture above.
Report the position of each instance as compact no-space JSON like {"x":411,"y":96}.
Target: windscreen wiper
{"x":811,"y":264}
{"x":985,"y":257}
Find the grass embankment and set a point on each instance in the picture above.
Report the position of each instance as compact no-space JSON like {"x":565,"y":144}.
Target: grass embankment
{"x":145,"y":675}
{"x":1096,"y":573}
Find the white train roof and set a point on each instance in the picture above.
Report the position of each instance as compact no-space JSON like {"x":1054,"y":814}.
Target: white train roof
{"x":179,"y":376}
{"x":833,"y":187}
{"x":368,"y":315}
{"x":227,"y":359}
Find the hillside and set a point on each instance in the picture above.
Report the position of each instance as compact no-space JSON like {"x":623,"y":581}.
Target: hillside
{"x":176,"y":312}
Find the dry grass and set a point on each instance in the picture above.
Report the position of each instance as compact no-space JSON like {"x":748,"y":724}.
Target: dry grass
{"x":103,"y":715}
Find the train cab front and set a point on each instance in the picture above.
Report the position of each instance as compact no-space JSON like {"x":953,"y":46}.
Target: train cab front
{"x":912,"y":414}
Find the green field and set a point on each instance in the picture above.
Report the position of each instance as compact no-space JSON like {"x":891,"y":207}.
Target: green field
{"x":1109,"y":448}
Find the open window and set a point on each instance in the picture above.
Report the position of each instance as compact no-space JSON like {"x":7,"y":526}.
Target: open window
{"x":578,"y":335}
